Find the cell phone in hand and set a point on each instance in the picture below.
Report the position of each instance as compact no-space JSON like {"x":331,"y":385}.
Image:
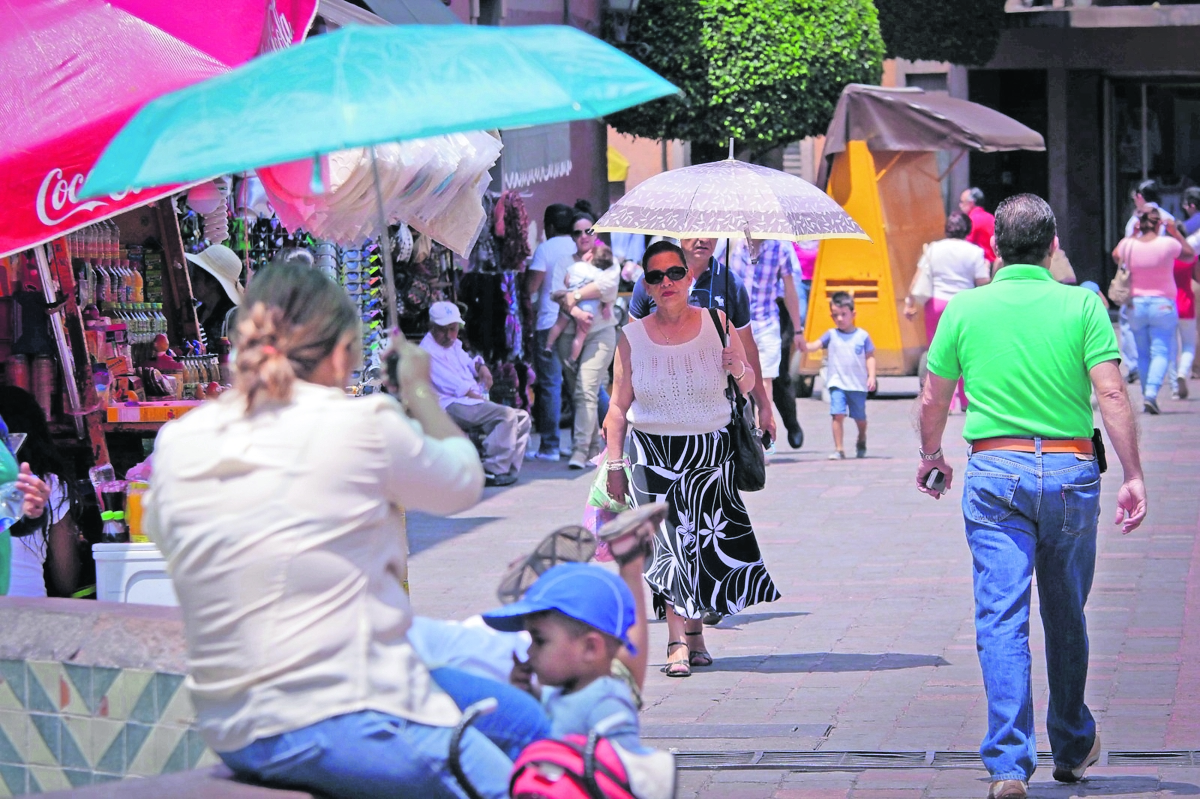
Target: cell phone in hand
{"x":935,"y":481}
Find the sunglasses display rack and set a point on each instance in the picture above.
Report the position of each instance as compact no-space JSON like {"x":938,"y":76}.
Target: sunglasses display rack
{"x":360,"y":271}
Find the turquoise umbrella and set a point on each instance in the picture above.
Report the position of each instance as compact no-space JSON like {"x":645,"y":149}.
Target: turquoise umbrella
{"x":364,"y":86}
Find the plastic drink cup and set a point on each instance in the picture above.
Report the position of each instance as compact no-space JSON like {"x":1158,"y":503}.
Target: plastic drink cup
{"x":133,"y":512}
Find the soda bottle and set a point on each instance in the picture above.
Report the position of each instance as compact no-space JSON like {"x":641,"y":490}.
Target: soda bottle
{"x":114,"y":530}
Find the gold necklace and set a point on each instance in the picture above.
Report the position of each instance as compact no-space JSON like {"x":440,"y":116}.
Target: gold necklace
{"x":663,"y":330}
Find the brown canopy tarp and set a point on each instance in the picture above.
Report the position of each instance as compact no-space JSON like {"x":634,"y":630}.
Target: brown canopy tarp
{"x":913,"y":119}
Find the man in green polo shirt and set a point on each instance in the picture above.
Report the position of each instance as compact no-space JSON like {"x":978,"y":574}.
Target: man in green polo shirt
{"x":1030,"y":351}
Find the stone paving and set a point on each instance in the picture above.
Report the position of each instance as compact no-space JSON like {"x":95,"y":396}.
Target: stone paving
{"x":872,"y":646}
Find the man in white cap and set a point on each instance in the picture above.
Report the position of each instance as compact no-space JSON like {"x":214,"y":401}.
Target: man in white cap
{"x":214,"y":274}
{"x":460,"y":382}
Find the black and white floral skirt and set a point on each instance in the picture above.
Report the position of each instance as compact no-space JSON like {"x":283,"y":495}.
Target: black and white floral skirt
{"x":706,"y":558}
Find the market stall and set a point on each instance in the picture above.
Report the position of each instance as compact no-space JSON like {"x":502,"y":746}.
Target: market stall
{"x":117,"y":313}
{"x":881,"y":165}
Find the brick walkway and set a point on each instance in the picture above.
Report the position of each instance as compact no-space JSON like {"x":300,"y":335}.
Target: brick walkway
{"x":872,"y":646}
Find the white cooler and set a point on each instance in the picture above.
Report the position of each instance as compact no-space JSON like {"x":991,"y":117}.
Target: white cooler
{"x":133,"y":573}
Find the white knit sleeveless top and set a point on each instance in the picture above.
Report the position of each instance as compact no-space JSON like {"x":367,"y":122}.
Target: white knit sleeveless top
{"x":678,"y":389}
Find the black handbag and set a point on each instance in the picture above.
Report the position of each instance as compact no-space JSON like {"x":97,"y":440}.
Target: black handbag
{"x":749,"y":458}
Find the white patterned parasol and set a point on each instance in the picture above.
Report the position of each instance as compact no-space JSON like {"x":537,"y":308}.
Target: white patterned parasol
{"x":730,"y":200}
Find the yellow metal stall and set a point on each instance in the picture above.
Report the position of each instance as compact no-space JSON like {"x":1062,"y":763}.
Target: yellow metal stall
{"x":883,"y":146}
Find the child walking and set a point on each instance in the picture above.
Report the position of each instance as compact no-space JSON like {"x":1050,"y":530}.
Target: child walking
{"x":849,"y":372}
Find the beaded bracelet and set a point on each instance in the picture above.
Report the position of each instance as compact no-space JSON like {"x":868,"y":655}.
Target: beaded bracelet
{"x":617,"y":466}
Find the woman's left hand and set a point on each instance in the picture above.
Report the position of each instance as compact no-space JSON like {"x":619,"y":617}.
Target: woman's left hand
{"x":733,"y":363}
{"x":36,"y":492}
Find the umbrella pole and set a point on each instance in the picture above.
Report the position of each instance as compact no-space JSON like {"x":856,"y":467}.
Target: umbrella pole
{"x":389,"y":276}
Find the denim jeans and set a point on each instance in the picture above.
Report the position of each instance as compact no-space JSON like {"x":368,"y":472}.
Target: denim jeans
{"x":516,"y":723}
{"x":1183,"y":354}
{"x":371,"y":755}
{"x":1026,"y":513}
{"x":549,"y":393}
{"x":1153,"y":320}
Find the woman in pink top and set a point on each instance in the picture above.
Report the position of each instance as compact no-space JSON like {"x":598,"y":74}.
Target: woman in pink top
{"x":1151,"y":261}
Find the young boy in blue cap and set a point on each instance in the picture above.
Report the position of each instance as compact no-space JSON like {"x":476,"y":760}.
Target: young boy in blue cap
{"x":578,"y":616}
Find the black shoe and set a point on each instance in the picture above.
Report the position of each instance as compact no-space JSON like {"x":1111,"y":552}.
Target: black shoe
{"x":1132,"y":377}
{"x":796,"y":438}
{"x":712,"y":619}
{"x":499,"y":480}
{"x":1150,"y":406}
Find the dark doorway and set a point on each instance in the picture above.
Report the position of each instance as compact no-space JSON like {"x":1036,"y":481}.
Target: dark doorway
{"x":1020,"y":94}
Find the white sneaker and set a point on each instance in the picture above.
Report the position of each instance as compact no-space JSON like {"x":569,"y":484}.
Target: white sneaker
{"x":534,"y":455}
{"x":837,"y":455}
{"x":577,"y":462}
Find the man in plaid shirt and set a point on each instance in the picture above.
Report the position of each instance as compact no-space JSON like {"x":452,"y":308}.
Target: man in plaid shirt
{"x":775,"y":270}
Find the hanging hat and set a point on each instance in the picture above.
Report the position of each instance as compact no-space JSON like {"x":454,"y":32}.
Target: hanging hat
{"x":223,"y":264}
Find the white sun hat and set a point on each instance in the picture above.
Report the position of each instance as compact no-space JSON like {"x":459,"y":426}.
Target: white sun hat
{"x":224,"y":265}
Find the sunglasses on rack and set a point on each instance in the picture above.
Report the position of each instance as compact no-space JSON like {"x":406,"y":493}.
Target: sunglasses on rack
{"x":577,"y":233}
{"x":676,"y":273}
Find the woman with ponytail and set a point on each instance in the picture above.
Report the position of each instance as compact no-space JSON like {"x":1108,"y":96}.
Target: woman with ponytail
{"x":278,"y":508}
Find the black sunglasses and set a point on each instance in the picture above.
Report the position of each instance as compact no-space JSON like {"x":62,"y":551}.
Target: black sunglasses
{"x":676,"y":273}
{"x":577,"y":233}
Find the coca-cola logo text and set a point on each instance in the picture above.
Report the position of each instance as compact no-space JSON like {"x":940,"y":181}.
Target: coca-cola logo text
{"x":57,"y":194}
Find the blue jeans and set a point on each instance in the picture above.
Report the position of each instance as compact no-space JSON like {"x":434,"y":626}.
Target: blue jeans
{"x":549,"y":393}
{"x":1028,"y":512}
{"x":1153,"y":321}
{"x":516,"y":723}
{"x":803,"y":287}
{"x":373,"y":755}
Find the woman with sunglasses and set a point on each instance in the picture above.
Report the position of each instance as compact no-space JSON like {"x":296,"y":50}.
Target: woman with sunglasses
{"x":669,"y":382}
{"x":584,"y":376}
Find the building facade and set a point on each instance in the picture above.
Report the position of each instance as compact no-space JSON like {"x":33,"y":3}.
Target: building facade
{"x":1115,"y":89}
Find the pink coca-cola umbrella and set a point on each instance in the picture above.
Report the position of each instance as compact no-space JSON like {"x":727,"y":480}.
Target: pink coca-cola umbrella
{"x":72,"y":73}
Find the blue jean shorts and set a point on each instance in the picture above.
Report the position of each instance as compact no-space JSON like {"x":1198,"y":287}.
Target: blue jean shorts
{"x":848,"y":403}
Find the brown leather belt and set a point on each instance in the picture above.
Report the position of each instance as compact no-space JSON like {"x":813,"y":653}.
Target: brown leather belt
{"x":1077,"y":446}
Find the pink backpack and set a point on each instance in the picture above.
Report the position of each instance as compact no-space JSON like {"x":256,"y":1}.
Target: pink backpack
{"x":574,"y":768}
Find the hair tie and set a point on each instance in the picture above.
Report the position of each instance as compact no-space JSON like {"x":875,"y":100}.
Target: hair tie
{"x":269,"y":350}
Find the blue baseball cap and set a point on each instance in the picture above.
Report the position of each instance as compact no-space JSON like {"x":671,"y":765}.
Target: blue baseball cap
{"x":585,"y":592}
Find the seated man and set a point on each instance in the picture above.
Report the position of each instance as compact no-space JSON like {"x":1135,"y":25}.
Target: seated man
{"x":461,"y":382}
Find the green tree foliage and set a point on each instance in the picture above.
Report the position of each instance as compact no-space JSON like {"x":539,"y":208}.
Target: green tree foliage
{"x":765,"y":72}
{"x":962,"y":31}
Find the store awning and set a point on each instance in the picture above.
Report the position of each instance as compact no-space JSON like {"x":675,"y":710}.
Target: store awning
{"x":535,"y":155}
{"x":915,"y":120}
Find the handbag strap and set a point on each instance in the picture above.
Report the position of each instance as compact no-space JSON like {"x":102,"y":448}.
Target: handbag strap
{"x":732,"y":392}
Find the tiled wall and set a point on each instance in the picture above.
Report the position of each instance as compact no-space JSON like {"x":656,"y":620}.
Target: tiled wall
{"x":65,"y":725}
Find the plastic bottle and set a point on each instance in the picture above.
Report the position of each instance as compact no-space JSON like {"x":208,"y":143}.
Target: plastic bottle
{"x":103,"y":284}
{"x":139,"y":285}
{"x":114,"y":530}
